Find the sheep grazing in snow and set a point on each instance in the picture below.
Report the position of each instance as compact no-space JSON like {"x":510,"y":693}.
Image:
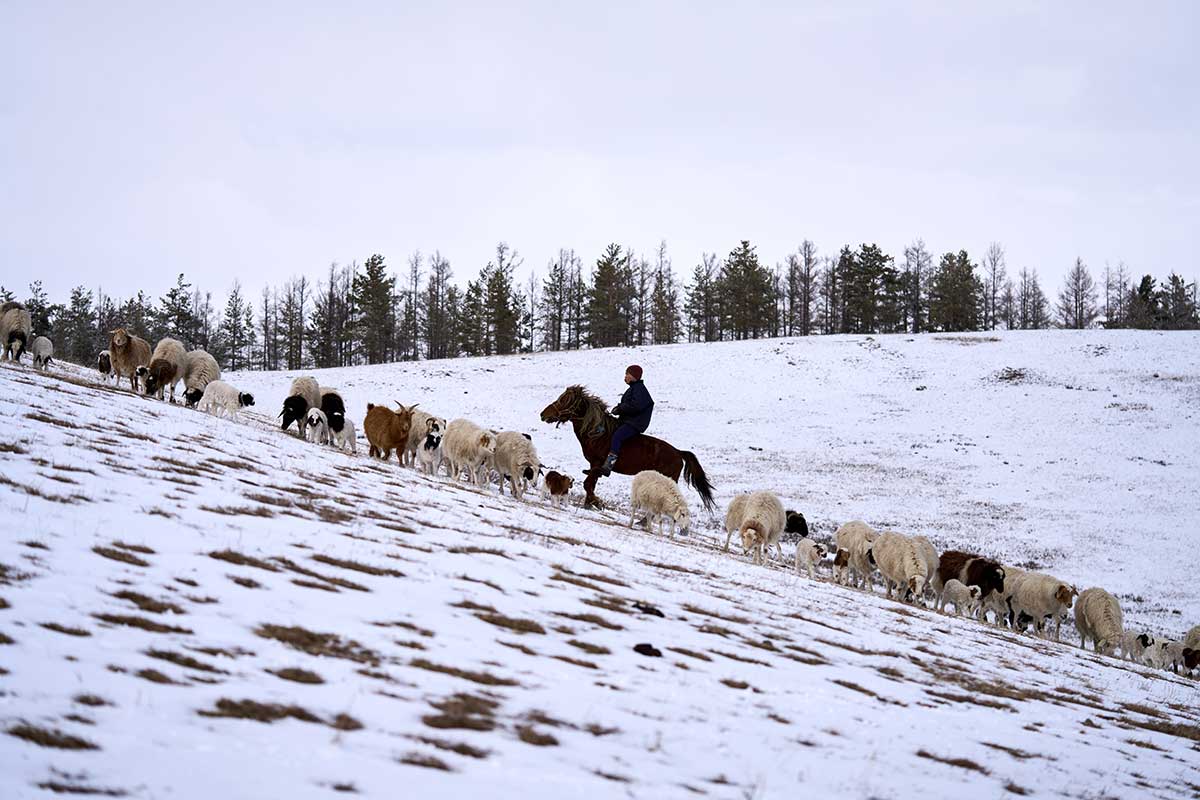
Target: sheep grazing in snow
{"x":971,"y":570}
{"x":387,"y":430}
{"x":345,"y":439}
{"x":43,"y":352}
{"x":855,"y":537}
{"x":334,"y":408}
{"x":1134,"y":646}
{"x":425,"y":442}
{"x":16,"y":327}
{"x":841,"y":567}
{"x":199,"y":370}
{"x":104,"y":365}
{"x":129,"y":355}
{"x":304,"y":394}
{"x":316,"y":426}
{"x":929,"y":555}
{"x":796,"y":523}
{"x":166,"y":367}
{"x":808,"y":555}
{"x":965,"y":598}
{"x":900,"y":564}
{"x":557,"y":486}
{"x":467,"y":446}
{"x":1098,"y":617}
{"x":1167,"y":654}
{"x":1192,"y":637}
{"x":221,"y":399}
{"x":660,"y":498}
{"x":759,"y":518}
{"x":516,"y":461}
{"x":1036,"y":597}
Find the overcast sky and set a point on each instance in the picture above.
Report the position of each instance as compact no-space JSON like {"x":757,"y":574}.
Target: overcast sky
{"x":259,"y":141}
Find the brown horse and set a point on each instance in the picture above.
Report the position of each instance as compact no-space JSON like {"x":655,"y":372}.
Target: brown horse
{"x":594,"y":428}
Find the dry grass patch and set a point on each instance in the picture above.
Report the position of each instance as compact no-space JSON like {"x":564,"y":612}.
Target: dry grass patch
{"x":462,"y":748}
{"x":318,"y":644}
{"x":715,"y":615}
{"x":120,"y":555}
{"x":961,"y":763}
{"x":297,"y":675}
{"x":49,"y":420}
{"x":690,"y":653}
{"x":58,"y":787}
{"x":475,"y":550}
{"x":145,"y":624}
{"x":484,"y":678}
{"x":528,"y":735}
{"x":331,"y":579}
{"x":1015,"y":788}
{"x":735,"y":684}
{"x":269,"y":499}
{"x":259,"y":712}
{"x":13,"y":447}
{"x":515,"y":624}
{"x":182,"y":660}
{"x":46,"y":737}
{"x":579,"y":662}
{"x":1179,"y":729}
{"x":243,"y":560}
{"x":91,"y":700}
{"x":239,"y":511}
{"x":671,"y":567}
{"x":145,"y":603}
{"x":154,"y":676}
{"x":357,"y":566}
{"x":69,"y":631}
{"x":1015,"y":752}
{"x":6,"y":639}
{"x":486,"y":583}
{"x":592,"y":619}
{"x":408,"y":626}
{"x":969,"y":699}
{"x":427,"y":761}
{"x":518,"y":646}
{"x":589,"y":648}
{"x":612,"y":776}
{"x":463,"y":712}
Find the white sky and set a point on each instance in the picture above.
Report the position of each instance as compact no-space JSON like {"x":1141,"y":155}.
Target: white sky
{"x":138,"y":140}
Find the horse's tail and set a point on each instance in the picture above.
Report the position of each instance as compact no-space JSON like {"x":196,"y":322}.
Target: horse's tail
{"x":693,"y":473}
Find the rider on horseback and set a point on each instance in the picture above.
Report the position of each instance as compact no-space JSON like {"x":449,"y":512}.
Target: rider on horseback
{"x":633,"y":411}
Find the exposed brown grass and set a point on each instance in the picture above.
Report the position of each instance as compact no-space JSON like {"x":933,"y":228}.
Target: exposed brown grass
{"x":154,"y":676}
{"x":331,"y":579}
{"x":91,"y":700}
{"x":139,"y":622}
{"x":6,"y":639}
{"x":591,"y":649}
{"x":969,"y":699}
{"x":357,"y":566}
{"x":319,"y":644}
{"x":120,"y":555}
{"x":49,"y":420}
{"x":672,"y":567}
{"x":148,"y":603}
{"x":423,"y":760}
{"x":183,"y":660}
{"x":463,"y":711}
{"x":735,"y":684}
{"x":528,"y":735}
{"x":462,"y":748}
{"x":592,"y":619}
{"x":514,"y":624}
{"x":690,"y":653}
{"x":13,"y":447}
{"x":1015,"y":789}
{"x":259,"y":712}
{"x":579,"y":662}
{"x":408,"y":626}
{"x":961,"y":763}
{"x":69,"y":631}
{"x":46,"y":737}
{"x":484,"y":678}
{"x":1179,"y":729}
{"x":518,"y":646}
{"x":243,"y":560}
{"x":1015,"y":752}
{"x":239,"y":511}
{"x":734,"y":618}
{"x":743,"y":659}
{"x":244,"y":581}
{"x":58,"y":787}
{"x":297,"y":675}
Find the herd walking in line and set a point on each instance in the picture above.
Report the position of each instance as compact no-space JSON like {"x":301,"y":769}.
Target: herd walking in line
{"x":910,"y":567}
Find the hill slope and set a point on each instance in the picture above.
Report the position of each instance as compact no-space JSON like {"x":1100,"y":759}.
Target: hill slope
{"x":171,"y":582}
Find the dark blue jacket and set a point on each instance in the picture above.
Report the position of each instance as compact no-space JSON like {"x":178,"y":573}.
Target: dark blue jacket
{"x":635,"y":407}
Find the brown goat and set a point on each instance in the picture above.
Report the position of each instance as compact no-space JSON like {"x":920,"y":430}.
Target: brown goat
{"x":126,"y":353}
{"x":387,"y":430}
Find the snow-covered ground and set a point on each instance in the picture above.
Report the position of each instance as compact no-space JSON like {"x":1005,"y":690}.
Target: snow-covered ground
{"x":410,"y":637}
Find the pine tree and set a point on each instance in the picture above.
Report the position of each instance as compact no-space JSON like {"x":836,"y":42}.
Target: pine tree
{"x":606,"y":307}
{"x":1177,"y":304}
{"x":555,"y":300}
{"x":745,"y":289}
{"x":1077,"y":300}
{"x":76,"y":331}
{"x":137,"y":316}
{"x":501,"y":304}
{"x":956,"y":294}
{"x":472,"y":323}
{"x":664,"y":301}
{"x":231,"y":352}
{"x":38,"y":306}
{"x":372,"y":295}
{"x":702,"y":306}
{"x":175,"y":315}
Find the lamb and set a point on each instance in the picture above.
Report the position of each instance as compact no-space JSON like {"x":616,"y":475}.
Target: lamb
{"x":899,"y":563}
{"x":16,"y":326}
{"x":104,"y":365}
{"x":426,"y":430}
{"x":316,"y":427}
{"x":970,"y":570}
{"x":841,"y":567}
{"x":1037,"y":597}
{"x":43,"y":352}
{"x":1136,"y":646}
{"x":855,"y":537}
{"x":126,"y":354}
{"x":760,"y":519}
{"x":1098,"y":617}
{"x":222,"y":399}
{"x":557,"y":486}
{"x":166,"y":367}
{"x":334,"y":408}
{"x":808,"y":555}
{"x":467,"y":446}
{"x":965,"y":598}
{"x":345,"y":439}
{"x":516,"y":461}
{"x":387,"y":430}
{"x":304,"y":394}
{"x":1168,"y":654}
{"x":199,"y":370}
{"x":660,"y":497}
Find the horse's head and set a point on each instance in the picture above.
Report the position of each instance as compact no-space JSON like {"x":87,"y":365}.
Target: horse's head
{"x":566,"y":408}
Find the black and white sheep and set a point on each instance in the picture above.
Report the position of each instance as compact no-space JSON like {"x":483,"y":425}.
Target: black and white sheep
{"x":660,"y":498}
{"x":166,"y":367}
{"x":104,"y":365}
{"x":305,"y":393}
{"x":43,"y":352}
{"x":517,"y":462}
{"x":222,"y":399}
{"x":316,"y":426}
{"x":334,"y":408}
{"x":425,"y":442}
{"x":16,"y":328}
{"x":199,"y":370}
{"x":1136,"y":646}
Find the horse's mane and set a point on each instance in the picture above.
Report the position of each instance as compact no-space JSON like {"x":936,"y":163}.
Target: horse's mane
{"x":595,"y":419}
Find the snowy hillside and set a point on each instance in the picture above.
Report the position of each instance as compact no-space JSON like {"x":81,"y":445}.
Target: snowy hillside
{"x":191,"y":607}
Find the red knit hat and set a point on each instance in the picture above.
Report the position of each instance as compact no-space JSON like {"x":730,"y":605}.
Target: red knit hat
{"x":635,"y":371}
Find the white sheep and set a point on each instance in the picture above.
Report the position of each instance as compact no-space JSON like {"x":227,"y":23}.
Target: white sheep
{"x":965,"y":598}
{"x":929,"y":555}
{"x":760,"y":519}
{"x":1168,"y":654}
{"x":1098,"y":617}
{"x":305,"y":393}
{"x":199,"y":370}
{"x":467,"y":446}
{"x":43,"y":352}
{"x":660,"y":498}
{"x":1136,"y":646}
{"x":808,"y":555}
{"x":166,"y":367}
{"x":855,"y":538}
{"x":222,"y":399}
{"x":517,"y":461}
{"x":423,"y":426}
{"x":900,"y":564}
{"x":316,"y":426}
{"x":345,"y":439}
{"x":1038,"y":597}
{"x":16,"y":327}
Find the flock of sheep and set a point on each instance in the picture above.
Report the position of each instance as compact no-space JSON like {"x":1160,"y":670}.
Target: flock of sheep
{"x":910,"y":566}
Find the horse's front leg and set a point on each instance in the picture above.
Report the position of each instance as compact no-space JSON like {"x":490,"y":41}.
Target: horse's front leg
{"x":589,"y":487}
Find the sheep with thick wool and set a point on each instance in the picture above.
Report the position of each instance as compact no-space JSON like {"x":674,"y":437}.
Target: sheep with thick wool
{"x":425,"y":434}
{"x":658,"y":496}
{"x":1036,"y":597}
{"x":900,"y":564}
{"x":16,"y":328}
{"x":517,"y":462}
{"x":468,"y":446}
{"x":305,"y":393}
{"x":759,"y":518}
{"x":1098,"y":617}
{"x":334,"y":408}
{"x":222,"y":399}
{"x":127,"y":354}
{"x":166,"y":367}
{"x":808,"y":555}
{"x":43,"y":352}
{"x":199,"y":370}
{"x":855,"y":537}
